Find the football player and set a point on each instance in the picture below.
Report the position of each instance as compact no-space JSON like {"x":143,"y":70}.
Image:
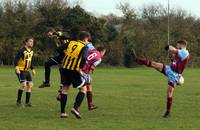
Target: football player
{"x":57,"y":39}
{"x":94,"y":57}
{"x":23,"y":63}
{"x":74,"y":60}
{"x":173,"y":71}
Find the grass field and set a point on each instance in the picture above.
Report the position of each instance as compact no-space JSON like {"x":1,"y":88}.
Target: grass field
{"x":128,"y":99}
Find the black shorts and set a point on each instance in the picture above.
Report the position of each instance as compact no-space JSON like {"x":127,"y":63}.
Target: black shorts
{"x":24,"y":76}
{"x":73,"y":77}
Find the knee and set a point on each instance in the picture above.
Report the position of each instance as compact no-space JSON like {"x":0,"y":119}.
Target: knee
{"x":28,"y":89}
{"x":29,"y":86}
{"x":22,"y":85}
{"x":89,"y":88}
{"x":170,"y":92}
{"x":83,"y":89}
{"x":65,"y":90}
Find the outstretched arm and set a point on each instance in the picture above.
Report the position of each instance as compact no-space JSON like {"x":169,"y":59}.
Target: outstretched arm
{"x":171,"y":49}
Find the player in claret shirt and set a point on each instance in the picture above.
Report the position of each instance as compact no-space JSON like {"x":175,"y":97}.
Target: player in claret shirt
{"x":94,"y":57}
{"x":173,"y":71}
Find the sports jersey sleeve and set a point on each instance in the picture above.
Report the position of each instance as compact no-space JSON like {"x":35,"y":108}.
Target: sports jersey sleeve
{"x":90,"y":46}
{"x":18,"y":56}
{"x":64,"y":37}
{"x":183,"y":54}
{"x":97,"y":63}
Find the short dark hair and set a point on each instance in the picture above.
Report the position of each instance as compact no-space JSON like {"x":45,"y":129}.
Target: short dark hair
{"x":182,"y":42}
{"x":84,"y":34}
{"x":28,"y":38}
{"x":101,"y":48}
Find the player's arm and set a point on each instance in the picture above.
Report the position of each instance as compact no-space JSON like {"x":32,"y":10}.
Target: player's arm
{"x":94,"y":65}
{"x":171,"y":49}
{"x":32,"y":68}
{"x":64,"y":37}
{"x":84,"y":53}
{"x":52,"y":36}
{"x":16,"y":61}
{"x":84,"y":56}
{"x":60,"y":35}
{"x":183,"y":54}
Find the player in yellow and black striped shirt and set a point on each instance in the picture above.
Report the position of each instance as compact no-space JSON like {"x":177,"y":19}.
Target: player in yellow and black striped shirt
{"x":23,"y":63}
{"x":74,"y":60}
{"x":57,"y":39}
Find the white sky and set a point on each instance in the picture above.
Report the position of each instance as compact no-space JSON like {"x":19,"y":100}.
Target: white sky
{"x":109,"y":6}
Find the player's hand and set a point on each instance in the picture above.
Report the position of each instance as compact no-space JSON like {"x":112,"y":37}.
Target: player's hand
{"x":49,"y":34}
{"x":17,"y":71}
{"x":33,"y":71}
{"x":167,"y":48}
{"x":92,"y":69}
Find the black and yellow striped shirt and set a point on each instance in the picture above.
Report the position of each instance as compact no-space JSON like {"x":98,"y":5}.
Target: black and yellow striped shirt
{"x":75,"y":55}
{"x":23,"y":60}
{"x":60,"y":39}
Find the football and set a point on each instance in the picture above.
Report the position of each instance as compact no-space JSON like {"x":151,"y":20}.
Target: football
{"x":180,"y":81}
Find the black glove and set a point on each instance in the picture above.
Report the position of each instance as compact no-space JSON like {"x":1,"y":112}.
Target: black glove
{"x":167,"y":48}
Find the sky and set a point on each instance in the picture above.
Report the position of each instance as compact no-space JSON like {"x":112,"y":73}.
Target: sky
{"x":109,"y":6}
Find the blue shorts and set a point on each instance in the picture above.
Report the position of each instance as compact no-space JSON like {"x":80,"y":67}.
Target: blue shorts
{"x":172,"y":76}
{"x":87,"y":78}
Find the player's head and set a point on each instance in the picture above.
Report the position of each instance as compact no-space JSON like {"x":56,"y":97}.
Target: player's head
{"x":182,"y":44}
{"x":102,"y":50}
{"x":50,"y":32}
{"x":29,"y":42}
{"x":84,"y":36}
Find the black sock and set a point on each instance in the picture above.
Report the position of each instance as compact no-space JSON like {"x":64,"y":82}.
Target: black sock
{"x":79,"y":99}
{"x":48,"y":65}
{"x":28,"y":95}
{"x":61,"y":86}
{"x":63,"y":102}
{"x":47,"y":72}
{"x":19,"y":96}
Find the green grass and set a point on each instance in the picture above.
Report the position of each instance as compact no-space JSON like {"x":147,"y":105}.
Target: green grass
{"x":128,"y":99}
